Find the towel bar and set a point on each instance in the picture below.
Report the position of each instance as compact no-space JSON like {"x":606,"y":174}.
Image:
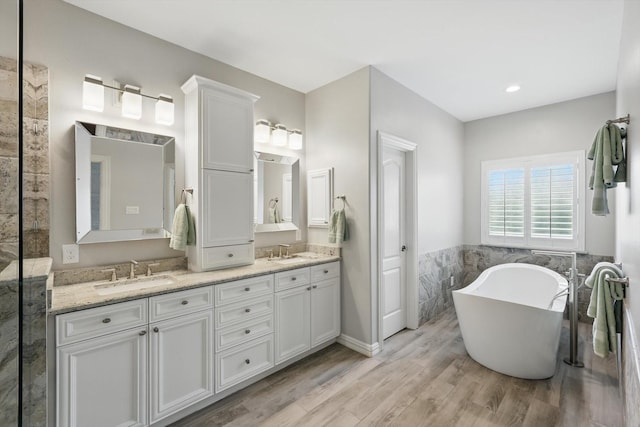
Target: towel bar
{"x":624,"y":281}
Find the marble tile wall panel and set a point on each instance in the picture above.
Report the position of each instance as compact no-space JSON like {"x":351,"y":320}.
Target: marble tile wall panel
{"x":478,"y":258}
{"x":435,"y":270}
{"x":9,"y":353}
{"x":630,"y":376}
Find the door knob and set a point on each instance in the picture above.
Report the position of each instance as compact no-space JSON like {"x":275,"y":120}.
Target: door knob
{"x":403,"y":248}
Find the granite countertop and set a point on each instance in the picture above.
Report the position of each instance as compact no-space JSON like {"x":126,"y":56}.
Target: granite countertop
{"x":84,"y":295}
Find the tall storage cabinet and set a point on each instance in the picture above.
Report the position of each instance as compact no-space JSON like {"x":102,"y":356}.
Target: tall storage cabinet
{"x":219,"y":166}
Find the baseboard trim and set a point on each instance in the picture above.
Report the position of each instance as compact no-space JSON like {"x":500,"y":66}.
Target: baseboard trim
{"x":368,"y":350}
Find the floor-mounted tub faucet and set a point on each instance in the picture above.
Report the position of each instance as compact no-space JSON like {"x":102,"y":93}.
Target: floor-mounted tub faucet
{"x":573,"y":304}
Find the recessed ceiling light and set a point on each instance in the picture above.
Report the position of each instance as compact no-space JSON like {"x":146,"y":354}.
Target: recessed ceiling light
{"x":512,"y":88}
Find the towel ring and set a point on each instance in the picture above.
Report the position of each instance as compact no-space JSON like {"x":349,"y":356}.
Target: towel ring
{"x":183,"y":196}
{"x":273,"y":202}
{"x":344,"y":201}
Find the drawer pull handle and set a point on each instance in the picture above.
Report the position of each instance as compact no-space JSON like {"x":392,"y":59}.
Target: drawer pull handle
{"x":326,"y":271}
{"x":230,"y":255}
{"x":247,"y":361}
{"x":309,"y":288}
{"x":185,"y":302}
{"x":142,"y":333}
{"x":247,"y":331}
{"x":314,"y":286}
{"x":293,"y":279}
{"x":247,"y":289}
{"x":247,"y":310}
{"x":156,"y":329}
{"x":106,"y":320}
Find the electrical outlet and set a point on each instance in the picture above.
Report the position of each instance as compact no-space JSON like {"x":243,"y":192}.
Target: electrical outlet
{"x":452,"y":282}
{"x":70,"y":254}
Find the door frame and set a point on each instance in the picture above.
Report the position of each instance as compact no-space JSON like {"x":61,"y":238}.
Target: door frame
{"x":411,"y":228}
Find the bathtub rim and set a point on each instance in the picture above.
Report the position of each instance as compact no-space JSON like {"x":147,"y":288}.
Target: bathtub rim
{"x":559,"y":303}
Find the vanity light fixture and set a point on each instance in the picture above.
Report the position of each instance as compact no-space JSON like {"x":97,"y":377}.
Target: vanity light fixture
{"x":277,"y":135}
{"x":93,"y":99}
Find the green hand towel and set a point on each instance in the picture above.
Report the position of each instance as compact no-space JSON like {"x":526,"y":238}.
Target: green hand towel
{"x":191,"y":227}
{"x":338,"y":227}
{"x":183,"y":229}
{"x":601,"y":171}
{"x":601,"y":307}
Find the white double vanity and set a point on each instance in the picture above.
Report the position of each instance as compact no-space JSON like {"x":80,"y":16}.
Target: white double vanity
{"x":149,"y":351}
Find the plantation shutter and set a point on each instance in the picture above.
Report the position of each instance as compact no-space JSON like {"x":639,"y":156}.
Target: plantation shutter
{"x":506,"y":203}
{"x":552,"y":202}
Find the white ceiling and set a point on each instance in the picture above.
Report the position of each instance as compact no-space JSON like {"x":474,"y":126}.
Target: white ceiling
{"x":459,"y":54}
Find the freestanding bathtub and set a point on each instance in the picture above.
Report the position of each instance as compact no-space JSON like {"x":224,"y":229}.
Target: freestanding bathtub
{"x":510,"y":321}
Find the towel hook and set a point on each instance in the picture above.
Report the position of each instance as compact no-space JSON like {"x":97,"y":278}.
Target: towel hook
{"x":183,"y":196}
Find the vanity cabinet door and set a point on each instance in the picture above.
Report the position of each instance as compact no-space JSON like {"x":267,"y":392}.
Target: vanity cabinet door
{"x":228,"y":208}
{"x":325,"y":311}
{"x":293,"y":314}
{"x":227,"y":126}
{"x":181,"y":362}
{"x":102,"y":382}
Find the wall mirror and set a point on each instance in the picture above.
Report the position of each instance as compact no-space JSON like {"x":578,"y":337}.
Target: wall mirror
{"x":276,"y":192}
{"x":125,"y":184}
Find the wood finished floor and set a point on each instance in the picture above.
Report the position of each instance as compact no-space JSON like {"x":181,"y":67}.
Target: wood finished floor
{"x":422,"y":378}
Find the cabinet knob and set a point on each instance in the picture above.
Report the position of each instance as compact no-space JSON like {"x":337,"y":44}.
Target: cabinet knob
{"x":247,"y":310}
{"x":156,"y":329}
{"x":247,"y":361}
{"x":142,"y":333}
{"x":326,"y":271}
{"x":106,"y":320}
{"x":309,"y":288}
{"x":247,"y":289}
{"x":185,"y":302}
{"x":314,"y":286}
{"x":230,"y":255}
{"x":293,"y":279}
{"x":247,"y":331}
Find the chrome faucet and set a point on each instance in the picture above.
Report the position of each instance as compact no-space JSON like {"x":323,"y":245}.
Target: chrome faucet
{"x":573,"y":305}
{"x":113,"y":273}
{"x":284,"y":245}
{"x":149,"y":272}
{"x":132,"y":269}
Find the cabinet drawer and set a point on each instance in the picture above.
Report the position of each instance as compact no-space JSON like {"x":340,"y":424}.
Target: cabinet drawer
{"x":227,"y":256}
{"x":292,"y":278}
{"x":242,"y":362}
{"x":243,"y":332}
{"x":94,"y":322}
{"x":242,"y":289}
{"x":325,"y":271}
{"x":244,"y":310}
{"x":179,"y":303}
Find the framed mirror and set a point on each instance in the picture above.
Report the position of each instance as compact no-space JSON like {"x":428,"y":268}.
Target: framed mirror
{"x":125,"y":184}
{"x":276,"y":192}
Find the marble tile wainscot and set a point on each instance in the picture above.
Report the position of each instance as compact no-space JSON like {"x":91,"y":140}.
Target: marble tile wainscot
{"x":435,"y":271}
{"x":478,"y":258}
{"x":34,"y":363}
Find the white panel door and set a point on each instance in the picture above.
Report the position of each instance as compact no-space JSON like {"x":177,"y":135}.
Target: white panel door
{"x":393,"y":260}
{"x":181,"y":362}
{"x":325,"y":311}
{"x":227,"y":126}
{"x":227,"y":208}
{"x":102,"y":382}
{"x":293,"y":316}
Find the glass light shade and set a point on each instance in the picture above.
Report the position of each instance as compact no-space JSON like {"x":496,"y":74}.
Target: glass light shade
{"x":164,"y":110}
{"x":279,"y":135}
{"x":262,"y":132}
{"x":131,"y":102}
{"x":295,"y":140}
{"x":92,"y":93}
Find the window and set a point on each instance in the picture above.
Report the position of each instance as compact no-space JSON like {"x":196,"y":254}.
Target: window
{"x":534,"y":202}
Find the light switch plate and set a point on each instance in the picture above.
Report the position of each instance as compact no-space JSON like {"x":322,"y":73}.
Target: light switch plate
{"x":70,"y":254}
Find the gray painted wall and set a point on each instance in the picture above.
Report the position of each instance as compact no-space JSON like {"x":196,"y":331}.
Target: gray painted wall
{"x":73,"y":42}
{"x":565,"y":126}
{"x":627,"y":208}
{"x":338,"y":136}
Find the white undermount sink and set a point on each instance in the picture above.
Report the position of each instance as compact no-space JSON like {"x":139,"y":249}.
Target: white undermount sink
{"x":128,"y":285}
